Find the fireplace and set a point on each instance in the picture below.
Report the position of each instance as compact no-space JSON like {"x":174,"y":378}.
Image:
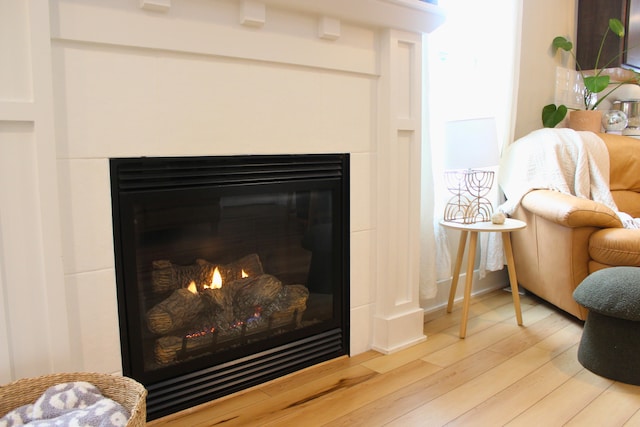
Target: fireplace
{"x":230,"y":270}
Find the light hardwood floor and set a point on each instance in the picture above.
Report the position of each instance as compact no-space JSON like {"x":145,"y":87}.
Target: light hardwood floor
{"x":501,"y":374}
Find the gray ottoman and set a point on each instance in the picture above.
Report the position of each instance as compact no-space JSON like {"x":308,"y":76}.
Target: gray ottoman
{"x":610,"y":344}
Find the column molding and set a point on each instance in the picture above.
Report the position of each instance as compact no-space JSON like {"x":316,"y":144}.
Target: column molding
{"x":44,"y":136}
{"x":398,"y":319}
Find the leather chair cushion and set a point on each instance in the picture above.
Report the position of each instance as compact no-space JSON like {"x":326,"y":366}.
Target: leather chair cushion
{"x":627,"y":201}
{"x":616,"y":246}
{"x":624,"y":160}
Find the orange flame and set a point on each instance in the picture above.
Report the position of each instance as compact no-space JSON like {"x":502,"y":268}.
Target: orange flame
{"x":216,"y":280}
{"x":192,"y":287}
{"x":244,"y":274}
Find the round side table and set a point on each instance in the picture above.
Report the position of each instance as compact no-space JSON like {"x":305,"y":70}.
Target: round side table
{"x":472,"y":231}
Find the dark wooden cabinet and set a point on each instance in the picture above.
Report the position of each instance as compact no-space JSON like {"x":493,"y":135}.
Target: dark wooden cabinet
{"x":632,"y":55}
{"x":593,"y":22}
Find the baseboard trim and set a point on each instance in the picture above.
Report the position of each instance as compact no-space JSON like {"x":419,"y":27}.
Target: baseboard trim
{"x":493,"y":281}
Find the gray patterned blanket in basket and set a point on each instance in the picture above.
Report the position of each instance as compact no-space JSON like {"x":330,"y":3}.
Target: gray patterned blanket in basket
{"x":69,"y":404}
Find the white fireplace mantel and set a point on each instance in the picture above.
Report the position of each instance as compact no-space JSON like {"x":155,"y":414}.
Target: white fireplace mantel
{"x":93,"y":80}
{"x":409,"y":15}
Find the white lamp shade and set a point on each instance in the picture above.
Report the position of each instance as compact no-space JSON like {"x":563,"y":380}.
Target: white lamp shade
{"x":471,"y":144}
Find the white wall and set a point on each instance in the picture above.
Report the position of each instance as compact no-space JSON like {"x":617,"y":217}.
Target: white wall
{"x":33,"y":323}
{"x":91,"y":80}
{"x":542,"y":21}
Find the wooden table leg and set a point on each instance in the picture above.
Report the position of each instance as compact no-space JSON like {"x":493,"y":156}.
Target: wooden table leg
{"x":471,"y":257}
{"x":506,"y":241}
{"x":456,"y":269}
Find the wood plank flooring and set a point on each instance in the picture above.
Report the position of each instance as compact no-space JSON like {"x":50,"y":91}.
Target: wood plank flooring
{"x":500,"y":375}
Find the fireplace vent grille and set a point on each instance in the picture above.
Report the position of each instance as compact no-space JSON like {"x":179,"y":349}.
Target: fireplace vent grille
{"x":176,"y":172}
{"x":203,"y":386}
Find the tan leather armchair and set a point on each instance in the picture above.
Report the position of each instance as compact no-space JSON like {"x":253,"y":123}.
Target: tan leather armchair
{"x":568,"y":238}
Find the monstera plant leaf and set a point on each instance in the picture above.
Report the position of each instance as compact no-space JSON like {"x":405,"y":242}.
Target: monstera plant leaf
{"x":562,"y":43}
{"x":617,"y":27}
{"x":596,"y":84}
{"x":552,"y":115}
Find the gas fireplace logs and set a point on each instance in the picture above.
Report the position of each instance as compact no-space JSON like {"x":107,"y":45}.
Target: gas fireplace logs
{"x":167,"y":276}
{"x":176,"y":312}
{"x":215,"y":305}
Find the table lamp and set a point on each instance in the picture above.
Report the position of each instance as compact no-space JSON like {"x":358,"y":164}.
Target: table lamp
{"x":470,"y":144}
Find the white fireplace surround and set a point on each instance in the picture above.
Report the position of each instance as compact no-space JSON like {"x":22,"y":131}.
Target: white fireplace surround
{"x":83,"y":81}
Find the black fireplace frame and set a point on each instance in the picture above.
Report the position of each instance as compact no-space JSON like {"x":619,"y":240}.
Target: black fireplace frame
{"x":196,"y":383}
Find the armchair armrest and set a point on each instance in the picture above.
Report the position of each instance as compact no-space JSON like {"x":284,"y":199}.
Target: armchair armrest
{"x":570,"y":211}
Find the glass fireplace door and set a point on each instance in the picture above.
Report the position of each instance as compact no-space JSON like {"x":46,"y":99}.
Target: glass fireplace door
{"x":227,"y":264}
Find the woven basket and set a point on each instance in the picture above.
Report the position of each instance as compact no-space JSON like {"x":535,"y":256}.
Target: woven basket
{"x":126,"y":391}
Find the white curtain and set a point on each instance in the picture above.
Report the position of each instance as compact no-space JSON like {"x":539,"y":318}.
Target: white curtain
{"x":472,"y":65}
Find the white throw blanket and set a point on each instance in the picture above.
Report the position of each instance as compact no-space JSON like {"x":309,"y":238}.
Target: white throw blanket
{"x":575,"y":163}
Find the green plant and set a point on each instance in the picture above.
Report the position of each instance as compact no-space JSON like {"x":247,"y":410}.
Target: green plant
{"x":594,"y":83}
